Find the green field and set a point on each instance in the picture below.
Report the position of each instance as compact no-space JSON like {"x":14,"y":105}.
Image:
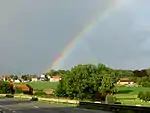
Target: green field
{"x":128,"y":95}
{"x":131,"y":90}
{"x":43,"y":85}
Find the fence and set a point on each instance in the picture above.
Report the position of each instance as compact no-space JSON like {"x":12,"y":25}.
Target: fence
{"x":115,"y":108}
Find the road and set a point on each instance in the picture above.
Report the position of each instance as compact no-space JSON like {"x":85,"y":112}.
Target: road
{"x":27,"y":106}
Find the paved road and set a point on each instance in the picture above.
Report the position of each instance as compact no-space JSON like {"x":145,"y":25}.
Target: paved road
{"x":26,"y":106}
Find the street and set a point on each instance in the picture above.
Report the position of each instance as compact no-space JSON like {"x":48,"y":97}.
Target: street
{"x":27,"y":106}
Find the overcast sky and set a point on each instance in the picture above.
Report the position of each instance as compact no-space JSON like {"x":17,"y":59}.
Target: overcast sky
{"x":34,"y":32}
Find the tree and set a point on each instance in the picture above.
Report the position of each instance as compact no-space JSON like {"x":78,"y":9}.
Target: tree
{"x":47,"y":78}
{"x":148,"y":72}
{"x":107,"y":84}
{"x":61,"y":89}
{"x":14,"y":77}
{"x":26,"y":77}
{"x":5,"y":87}
{"x":84,"y":81}
{"x":51,"y":72}
{"x":62,"y":72}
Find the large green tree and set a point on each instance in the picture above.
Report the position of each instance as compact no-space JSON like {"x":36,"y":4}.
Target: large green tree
{"x":84,"y":81}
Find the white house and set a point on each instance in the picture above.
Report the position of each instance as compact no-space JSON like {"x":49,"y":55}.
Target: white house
{"x":17,"y":81}
{"x":55,"y":78}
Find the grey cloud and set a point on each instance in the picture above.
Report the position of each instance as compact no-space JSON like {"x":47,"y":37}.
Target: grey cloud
{"x":34,"y":32}
{"x":122,"y":39}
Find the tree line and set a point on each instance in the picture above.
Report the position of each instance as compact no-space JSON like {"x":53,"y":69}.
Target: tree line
{"x":118,"y":72}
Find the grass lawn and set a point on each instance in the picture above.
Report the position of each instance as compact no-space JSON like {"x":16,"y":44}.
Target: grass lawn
{"x":131,"y":90}
{"x":43,"y":84}
{"x":128,"y":95}
{"x":130,"y":99}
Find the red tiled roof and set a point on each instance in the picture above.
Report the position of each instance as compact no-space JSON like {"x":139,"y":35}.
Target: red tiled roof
{"x":56,"y":77}
{"x":11,"y":83}
{"x":125,"y":80}
{"x":6,"y":76}
{"x":23,"y":86}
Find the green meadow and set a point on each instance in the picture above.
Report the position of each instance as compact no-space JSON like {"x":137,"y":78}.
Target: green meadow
{"x":43,"y":85}
{"x":128,"y":95}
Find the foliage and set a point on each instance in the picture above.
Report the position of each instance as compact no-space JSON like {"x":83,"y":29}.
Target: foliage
{"x":148,"y":72}
{"x":34,"y":99}
{"x":140,"y":95}
{"x":5,"y":87}
{"x":144,"y":96}
{"x":9,"y":96}
{"x":46,"y":78}
{"x":18,"y":90}
{"x":84,"y":81}
{"x":144,"y":81}
{"x":55,"y":73}
{"x":14,"y":77}
{"x":26,"y":77}
{"x":60,"y":90}
{"x":40,"y":92}
{"x":110,"y":99}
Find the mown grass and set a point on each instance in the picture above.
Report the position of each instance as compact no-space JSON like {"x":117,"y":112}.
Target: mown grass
{"x":131,"y":90}
{"x":128,"y":95}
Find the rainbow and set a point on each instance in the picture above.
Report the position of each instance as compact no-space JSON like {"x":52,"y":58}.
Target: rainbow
{"x":76,"y":40}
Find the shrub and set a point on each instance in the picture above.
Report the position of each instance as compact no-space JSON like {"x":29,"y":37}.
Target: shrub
{"x":40,"y":93}
{"x":18,"y":90}
{"x":9,"y":96}
{"x":144,"y":96}
{"x":110,"y":99}
{"x":117,"y":102}
{"x":34,"y":99}
{"x":5,"y":87}
{"x":145,"y":84}
{"x":140,"y":95}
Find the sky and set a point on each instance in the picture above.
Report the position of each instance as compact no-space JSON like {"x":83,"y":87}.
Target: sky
{"x":34,"y":32}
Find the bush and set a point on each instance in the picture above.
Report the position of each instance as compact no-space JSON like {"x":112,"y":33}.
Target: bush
{"x":145,"y":84}
{"x":18,"y":90}
{"x":34,"y":99}
{"x":99,"y":96}
{"x":117,"y":102}
{"x":9,"y":96}
{"x":140,"y":95}
{"x":5,"y":87}
{"x":110,"y":99}
{"x":40,"y":93}
{"x":144,"y":96}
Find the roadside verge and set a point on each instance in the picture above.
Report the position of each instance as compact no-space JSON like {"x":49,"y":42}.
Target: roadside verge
{"x":44,"y":99}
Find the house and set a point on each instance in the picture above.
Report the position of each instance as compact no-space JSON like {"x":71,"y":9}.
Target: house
{"x":1,"y":78}
{"x":125,"y":81}
{"x":17,"y":81}
{"x":55,"y":78}
{"x":21,"y":80}
{"x":27,"y":89}
{"x":6,"y":77}
{"x":42,"y":77}
{"x":35,"y":79}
